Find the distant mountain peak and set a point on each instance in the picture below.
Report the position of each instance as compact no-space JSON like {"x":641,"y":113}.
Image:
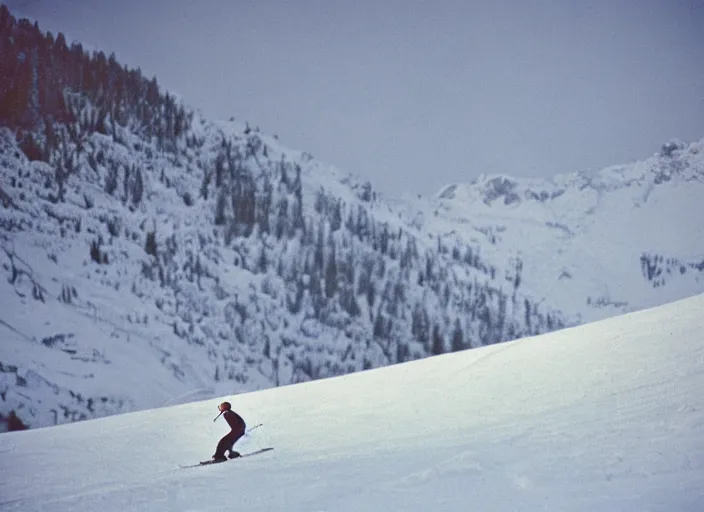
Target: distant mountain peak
{"x":679,"y":161}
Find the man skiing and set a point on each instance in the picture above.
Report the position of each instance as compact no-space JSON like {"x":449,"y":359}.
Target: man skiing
{"x":237,"y":428}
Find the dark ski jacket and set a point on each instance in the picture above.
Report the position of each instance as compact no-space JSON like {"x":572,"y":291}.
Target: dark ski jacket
{"x":235,"y":421}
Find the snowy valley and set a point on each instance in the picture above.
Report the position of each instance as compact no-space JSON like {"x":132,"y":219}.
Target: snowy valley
{"x":150,"y":256}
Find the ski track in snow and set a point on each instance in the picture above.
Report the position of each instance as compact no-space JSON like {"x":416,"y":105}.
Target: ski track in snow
{"x":606,"y":416}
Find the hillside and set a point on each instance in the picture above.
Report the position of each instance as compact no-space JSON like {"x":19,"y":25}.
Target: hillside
{"x":223,"y":260}
{"x":152,"y":257}
{"x":605,"y":416}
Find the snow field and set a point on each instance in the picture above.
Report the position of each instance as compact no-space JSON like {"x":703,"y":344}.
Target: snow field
{"x":605,"y":416}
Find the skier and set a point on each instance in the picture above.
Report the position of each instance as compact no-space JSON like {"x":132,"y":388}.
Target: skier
{"x":237,"y":428}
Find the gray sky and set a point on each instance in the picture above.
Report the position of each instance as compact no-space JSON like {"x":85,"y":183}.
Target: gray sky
{"x":415,"y":94}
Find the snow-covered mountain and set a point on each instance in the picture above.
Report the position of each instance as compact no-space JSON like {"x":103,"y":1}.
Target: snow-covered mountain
{"x":604,"y":416}
{"x":620,"y":239}
{"x":151,"y":256}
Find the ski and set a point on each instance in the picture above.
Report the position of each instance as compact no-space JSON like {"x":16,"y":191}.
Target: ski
{"x":209,"y":462}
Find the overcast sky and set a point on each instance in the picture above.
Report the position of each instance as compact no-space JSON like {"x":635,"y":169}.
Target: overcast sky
{"x":415,"y":94}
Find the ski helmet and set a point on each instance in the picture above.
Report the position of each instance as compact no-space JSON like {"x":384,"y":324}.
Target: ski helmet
{"x":225,"y":406}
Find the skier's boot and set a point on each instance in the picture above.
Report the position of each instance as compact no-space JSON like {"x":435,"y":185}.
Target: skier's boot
{"x":234,"y":454}
{"x":219,"y":458}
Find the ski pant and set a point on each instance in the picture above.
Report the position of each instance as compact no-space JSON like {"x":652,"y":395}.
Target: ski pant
{"x":228,"y":441}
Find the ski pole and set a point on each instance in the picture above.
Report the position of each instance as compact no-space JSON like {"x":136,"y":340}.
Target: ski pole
{"x":252,"y":428}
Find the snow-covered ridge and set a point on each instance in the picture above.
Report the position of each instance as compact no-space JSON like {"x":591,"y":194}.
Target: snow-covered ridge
{"x":676,"y":161}
{"x":605,"y":416}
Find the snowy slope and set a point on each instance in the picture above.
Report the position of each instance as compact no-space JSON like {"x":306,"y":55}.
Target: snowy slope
{"x":605,"y":416}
